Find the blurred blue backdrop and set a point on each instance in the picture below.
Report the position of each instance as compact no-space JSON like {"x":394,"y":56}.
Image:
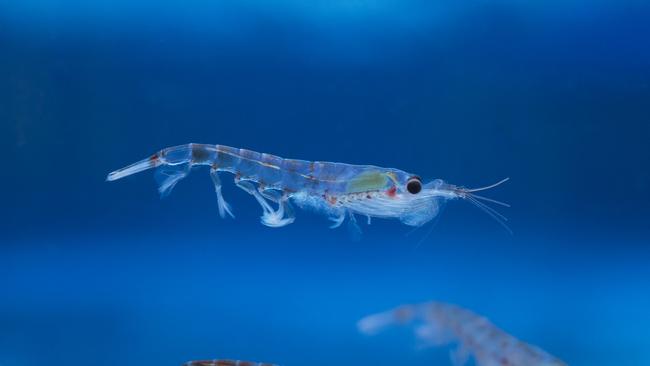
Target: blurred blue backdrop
{"x":554,"y":94}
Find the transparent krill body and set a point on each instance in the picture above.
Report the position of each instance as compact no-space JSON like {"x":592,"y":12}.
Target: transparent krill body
{"x":337,"y":190}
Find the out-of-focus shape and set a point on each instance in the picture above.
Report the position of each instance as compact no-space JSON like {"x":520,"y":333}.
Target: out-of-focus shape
{"x":439,"y":323}
{"x":226,"y":363}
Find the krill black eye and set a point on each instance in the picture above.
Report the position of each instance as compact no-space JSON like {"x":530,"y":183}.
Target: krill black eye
{"x":414,"y":186}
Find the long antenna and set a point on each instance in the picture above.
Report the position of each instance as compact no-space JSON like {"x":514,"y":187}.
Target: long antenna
{"x":470,"y":190}
{"x":468,"y":194}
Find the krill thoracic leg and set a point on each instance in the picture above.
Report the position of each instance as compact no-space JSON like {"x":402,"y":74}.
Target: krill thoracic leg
{"x":224,"y":207}
{"x":270,"y":217}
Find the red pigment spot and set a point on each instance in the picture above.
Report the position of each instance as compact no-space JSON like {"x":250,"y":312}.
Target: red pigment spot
{"x":403,"y":314}
{"x":392,"y":191}
{"x":154,"y":157}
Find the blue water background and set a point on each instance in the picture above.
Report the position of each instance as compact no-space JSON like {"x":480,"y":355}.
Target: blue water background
{"x":554,"y":94}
